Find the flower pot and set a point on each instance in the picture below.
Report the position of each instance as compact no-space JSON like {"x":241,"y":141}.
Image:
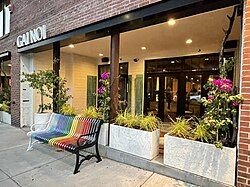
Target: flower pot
{"x":201,"y":158}
{"x":41,"y":119}
{"x":5,"y":117}
{"x":103,"y":137}
{"x":137,"y":142}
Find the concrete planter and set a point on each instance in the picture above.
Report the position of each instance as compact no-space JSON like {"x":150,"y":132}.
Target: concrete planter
{"x":137,"y":142}
{"x":41,"y":119}
{"x":5,"y":117}
{"x":201,"y":158}
{"x":103,"y":137}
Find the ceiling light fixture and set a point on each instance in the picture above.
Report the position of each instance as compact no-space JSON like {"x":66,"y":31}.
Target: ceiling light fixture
{"x":172,"y":62}
{"x":71,"y":46}
{"x":189,"y":41}
{"x":143,"y":48}
{"x":100,"y":54}
{"x":171,"y":22}
{"x":9,"y":65}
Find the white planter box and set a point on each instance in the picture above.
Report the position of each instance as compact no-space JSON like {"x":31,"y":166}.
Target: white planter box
{"x":137,"y":142}
{"x":41,"y":119}
{"x":5,"y":117}
{"x":201,"y":158}
{"x":103,"y":137}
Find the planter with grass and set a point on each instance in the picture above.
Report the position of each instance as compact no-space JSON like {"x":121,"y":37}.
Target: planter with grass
{"x":200,"y":158}
{"x":5,"y":116}
{"x":207,"y":146}
{"x":136,"y":135}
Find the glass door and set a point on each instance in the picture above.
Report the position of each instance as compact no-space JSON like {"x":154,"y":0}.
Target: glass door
{"x":193,"y":95}
{"x":162,"y":96}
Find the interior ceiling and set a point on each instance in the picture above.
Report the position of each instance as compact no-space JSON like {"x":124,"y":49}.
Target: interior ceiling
{"x":163,"y":40}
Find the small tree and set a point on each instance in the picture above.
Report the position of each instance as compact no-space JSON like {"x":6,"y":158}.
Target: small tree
{"x":44,"y":82}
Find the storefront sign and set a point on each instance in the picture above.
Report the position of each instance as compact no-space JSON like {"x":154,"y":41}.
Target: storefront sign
{"x":32,"y":36}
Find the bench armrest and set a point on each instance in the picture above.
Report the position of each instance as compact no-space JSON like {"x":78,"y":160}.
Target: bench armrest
{"x":90,"y":134}
{"x":32,"y":127}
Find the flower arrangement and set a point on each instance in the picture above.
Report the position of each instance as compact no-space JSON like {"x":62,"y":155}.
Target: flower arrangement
{"x":221,"y":110}
{"x":103,"y":94}
{"x":218,"y":125}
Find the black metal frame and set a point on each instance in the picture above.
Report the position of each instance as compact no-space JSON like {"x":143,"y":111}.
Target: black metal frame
{"x":85,"y":146}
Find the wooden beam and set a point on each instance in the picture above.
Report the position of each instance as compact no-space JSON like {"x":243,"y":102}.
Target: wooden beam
{"x":56,"y":68}
{"x":114,"y":75}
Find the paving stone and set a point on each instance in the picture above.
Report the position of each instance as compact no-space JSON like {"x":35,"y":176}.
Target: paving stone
{"x":106,"y":173}
{"x":8,"y":183}
{"x":3,"y":176}
{"x":157,"y":180}
{"x":17,"y":160}
{"x":11,"y":137}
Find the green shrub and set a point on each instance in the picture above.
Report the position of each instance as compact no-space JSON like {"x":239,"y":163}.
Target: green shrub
{"x":4,"y":107}
{"x":202,"y":131}
{"x":147,"y":123}
{"x":67,"y":109}
{"x":180,"y":128}
{"x":92,"y":112}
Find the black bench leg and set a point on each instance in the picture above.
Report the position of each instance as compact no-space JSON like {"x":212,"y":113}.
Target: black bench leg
{"x":99,"y":159}
{"x":77,"y":163}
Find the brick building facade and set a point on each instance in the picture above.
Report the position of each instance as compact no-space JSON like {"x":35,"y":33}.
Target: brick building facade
{"x":64,"y":16}
{"x":244,"y":140}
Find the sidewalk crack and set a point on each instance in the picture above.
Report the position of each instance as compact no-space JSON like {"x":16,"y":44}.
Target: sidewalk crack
{"x":147,"y":179}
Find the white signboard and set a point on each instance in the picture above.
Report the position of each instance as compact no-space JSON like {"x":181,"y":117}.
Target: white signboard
{"x":32,"y":36}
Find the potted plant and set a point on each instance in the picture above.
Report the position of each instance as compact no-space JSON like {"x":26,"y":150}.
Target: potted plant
{"x":5,"y":98}
{"x":189,"y":143}
{"x":137,"y":135}
{"x":5,"y":116}
{"x":103,"y":95}
{"x":44,"y":82}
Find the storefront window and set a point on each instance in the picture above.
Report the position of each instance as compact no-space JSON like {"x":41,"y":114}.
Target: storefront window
{"x":174,"y":86}
{"x":5,"y":80}
{"x":4,"y":17}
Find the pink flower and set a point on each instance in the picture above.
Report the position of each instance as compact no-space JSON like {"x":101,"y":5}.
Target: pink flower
{"x":235,"y":104}
{"x":101,"y":90}
{"x":105,"y":75}
{"x":224,"y":85}
{"x":210,"y":97}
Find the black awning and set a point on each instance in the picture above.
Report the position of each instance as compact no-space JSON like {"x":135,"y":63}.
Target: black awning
{"x":4,"y":56}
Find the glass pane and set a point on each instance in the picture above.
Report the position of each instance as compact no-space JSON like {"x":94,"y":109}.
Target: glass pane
{"x":5,"y":74}
{"x":153,"y":94}
{"x":170,"y":97}
{"x":193,"y":95}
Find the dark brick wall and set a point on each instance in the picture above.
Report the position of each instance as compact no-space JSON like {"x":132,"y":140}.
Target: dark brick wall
{"x":59,"y":16}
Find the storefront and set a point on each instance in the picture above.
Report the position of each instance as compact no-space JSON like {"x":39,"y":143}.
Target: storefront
{"x":159,"y":56}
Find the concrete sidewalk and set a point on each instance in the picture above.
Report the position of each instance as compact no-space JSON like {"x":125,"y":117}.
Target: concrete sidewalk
{"x":44,"y":166}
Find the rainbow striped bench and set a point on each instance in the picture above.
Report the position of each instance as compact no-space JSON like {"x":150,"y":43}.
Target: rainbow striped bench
{"x":72,"y":134}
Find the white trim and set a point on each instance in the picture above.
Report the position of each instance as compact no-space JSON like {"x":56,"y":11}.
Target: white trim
{"x":5,"y":54}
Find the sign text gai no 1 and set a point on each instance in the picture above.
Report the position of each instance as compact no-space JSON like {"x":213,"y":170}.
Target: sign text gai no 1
{"x":32,"y":36}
